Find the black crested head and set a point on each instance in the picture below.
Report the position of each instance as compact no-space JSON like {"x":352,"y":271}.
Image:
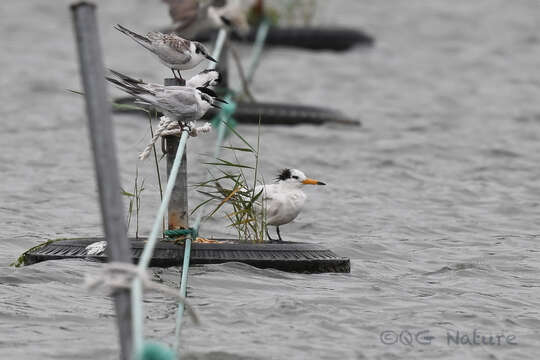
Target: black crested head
{"x":207,"y":91}
{"x":284,"y":175}
{"x":199,"y":48}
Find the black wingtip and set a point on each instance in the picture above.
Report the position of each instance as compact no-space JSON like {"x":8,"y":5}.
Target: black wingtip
{"x":226,"y":21}
{"x":211,"y":58}
{"x":207,"y":91}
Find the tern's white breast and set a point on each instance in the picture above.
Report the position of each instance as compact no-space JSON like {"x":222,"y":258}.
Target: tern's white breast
{"x":283,"y":203}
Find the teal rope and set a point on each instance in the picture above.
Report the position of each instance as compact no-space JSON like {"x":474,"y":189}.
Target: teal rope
{"x":178,"y":232}
{"x":136,"y":292}
{"x":183,"y":291}
{"x":222,"y":36}
{"x":226,"y":112}
{"x":155,"y":351}
{"x":260,"y":39}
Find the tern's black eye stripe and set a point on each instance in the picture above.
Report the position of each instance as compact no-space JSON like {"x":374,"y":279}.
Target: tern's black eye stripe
{"x":295,"y":177}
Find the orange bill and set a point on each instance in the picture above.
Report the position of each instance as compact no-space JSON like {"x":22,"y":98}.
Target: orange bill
{"x":312,"y":182}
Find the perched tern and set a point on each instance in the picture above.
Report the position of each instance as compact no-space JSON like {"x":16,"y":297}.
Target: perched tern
{"x":193,"y":16}
{"x":175,"y":52}
{"x":284,"y":200}
{"x":204,"y":79}
{"x":182,"y":103}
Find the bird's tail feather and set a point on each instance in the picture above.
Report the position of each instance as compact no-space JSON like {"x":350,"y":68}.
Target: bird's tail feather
{"x":141,"y":40}
{"x":126,"y":78}
{"x":133,"y":89}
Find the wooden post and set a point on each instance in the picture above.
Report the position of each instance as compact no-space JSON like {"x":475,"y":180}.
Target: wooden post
{"x":178,"y":205}
{"x":98,"y":110}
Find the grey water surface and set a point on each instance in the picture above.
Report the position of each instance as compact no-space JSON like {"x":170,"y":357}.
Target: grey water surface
{"x":435,"y":199}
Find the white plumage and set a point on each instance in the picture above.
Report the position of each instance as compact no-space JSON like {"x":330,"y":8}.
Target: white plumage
{"x":172,"y":50}
{"x":284,"y":200}
{"x":205,"y":78}
{"x":194,"y":16}
{"x":182,"y":103}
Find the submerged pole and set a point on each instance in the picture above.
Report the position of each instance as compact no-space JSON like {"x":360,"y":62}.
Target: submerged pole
{"x":178,"y":206}
{"x":98,"y":111}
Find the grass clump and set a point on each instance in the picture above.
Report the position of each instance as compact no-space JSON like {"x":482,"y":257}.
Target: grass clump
{"x":230,"y":185}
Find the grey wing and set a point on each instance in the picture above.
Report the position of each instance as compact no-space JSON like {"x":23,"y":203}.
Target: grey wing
{"x":170,"y":48}
{"x":180,"y":102}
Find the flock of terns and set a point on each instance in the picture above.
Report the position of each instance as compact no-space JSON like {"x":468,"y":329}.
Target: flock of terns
{"x":285,"y":199}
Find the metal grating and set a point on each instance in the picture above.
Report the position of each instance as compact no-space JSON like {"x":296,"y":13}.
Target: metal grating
{"x":294,"y":257}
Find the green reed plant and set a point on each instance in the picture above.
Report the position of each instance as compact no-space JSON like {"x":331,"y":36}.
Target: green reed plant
{"x":230,"y":185}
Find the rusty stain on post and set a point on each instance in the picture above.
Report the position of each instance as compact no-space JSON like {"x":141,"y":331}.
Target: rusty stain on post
{"x":178,"y":205}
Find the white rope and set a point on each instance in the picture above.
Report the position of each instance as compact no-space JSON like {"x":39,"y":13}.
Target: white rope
{"x":168,"y":127}
{"x":120,"y":275}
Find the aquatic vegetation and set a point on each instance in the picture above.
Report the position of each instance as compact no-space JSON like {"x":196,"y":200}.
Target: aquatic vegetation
{"x":135,"y":201}
{"x":232,"y":186}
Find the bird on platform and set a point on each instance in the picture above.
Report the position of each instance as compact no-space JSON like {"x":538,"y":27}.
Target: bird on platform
{"x":172,"y":50}
{"x":191,"y":17}
{"x":205,"y":78}
{"x":182,"y":103}
{"x":283,"y":200}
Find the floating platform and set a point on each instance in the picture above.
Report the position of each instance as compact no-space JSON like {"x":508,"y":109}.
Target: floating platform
{"x":286,"y":256}
{"x":269,"y":113}
{"x":312,"y":38}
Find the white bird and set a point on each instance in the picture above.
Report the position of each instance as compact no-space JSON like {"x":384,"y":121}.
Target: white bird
{"x":193,"y":16}
{"x":96,"y":248}
{"x":182,"y":103}
{"x":284,"y":200}
{"x":205,"y":78}
{"x":172,"y":50}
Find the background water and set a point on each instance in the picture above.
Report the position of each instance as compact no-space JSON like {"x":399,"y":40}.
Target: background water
{"x":435,"y":199}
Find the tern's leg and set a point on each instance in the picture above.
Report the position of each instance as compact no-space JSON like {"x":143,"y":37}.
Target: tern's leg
{"x":179,"y":76}
{"x":174,"y":74}
{"x":268,"y":234}
{"x":278,"y":234}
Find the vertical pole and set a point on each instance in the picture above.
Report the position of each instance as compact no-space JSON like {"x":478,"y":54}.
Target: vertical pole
{"x":178,"y":206}
{"x":98,"y":110}
{"x":223,"y":64}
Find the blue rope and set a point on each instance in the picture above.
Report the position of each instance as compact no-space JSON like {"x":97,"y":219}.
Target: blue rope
{"x":136,"y":292}
{"x":260,"y":39}
{"x":142,"y":350}
{"x":156,"y":351}
{"x":222,"y":36}
{"x":178,"y":232}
